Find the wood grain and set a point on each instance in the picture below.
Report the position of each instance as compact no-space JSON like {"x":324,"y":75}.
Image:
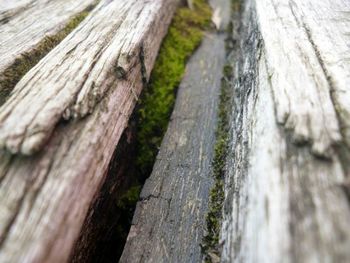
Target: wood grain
{"x":169,"y":221}
{"x":97,"y":55}
{"x":288,"y":163}
{"x":24,"y":23}
{"x":45,"y":198}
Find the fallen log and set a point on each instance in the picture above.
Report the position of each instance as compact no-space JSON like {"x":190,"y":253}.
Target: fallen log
{"x":45,"y":197}
{"x":289,"y":153}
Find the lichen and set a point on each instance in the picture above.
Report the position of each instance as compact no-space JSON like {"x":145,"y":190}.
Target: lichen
{"x":13,"y":74}
{"x":184,"y":36}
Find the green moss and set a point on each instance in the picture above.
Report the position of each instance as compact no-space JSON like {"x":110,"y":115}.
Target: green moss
{"x":210,"y":243}
{"x":184,"y":36}
{"x":153,"y":111}
{"x":129,"y":199}
{"x":12,"y":75}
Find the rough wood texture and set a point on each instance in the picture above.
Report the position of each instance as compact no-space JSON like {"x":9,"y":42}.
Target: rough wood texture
{"x":285,"y":198}
{"x":24,"y":23}
{"x":44,"y":198}
{"x":98,"y":54}
{"x":169,"y":221}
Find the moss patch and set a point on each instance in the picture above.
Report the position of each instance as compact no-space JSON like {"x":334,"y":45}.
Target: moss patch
{"x":210,"y":244}
{"x":184,"y":36}
{"x":13,"y":74}
{"x":129,"y":198}
{"x":152,"y":114}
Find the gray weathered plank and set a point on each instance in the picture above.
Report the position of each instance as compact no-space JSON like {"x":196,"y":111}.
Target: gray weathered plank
{"x":169,"y":220}
{"x":288,"y":161}
{"x":44,"y":198}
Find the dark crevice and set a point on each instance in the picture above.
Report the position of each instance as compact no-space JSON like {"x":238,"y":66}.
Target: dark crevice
{"x":346,"y":188}
{"x":103,"y":233}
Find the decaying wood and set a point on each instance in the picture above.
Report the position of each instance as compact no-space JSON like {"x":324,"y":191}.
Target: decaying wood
{"x":45,"y":197}
{"x":289,"y":161}
{"x":24,"y":23}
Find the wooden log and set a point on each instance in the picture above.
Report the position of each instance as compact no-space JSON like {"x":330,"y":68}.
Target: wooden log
{"x":24,"y":23}
{"x":169,"y":221}
{"x":44,"y":198}
{"x":289,"y":157}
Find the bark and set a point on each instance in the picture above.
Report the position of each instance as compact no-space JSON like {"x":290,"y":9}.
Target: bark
{"x":287,"y":183}
{"x":45,"y":197}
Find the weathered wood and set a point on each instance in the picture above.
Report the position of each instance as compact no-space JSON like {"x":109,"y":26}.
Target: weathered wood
{"x":10,"y":7}
{"x":169,"y":220}
{"x":97,"y":55}
{"x":44,"y":198}
{"x":285,"y":198}
{"x":24,"y":23}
